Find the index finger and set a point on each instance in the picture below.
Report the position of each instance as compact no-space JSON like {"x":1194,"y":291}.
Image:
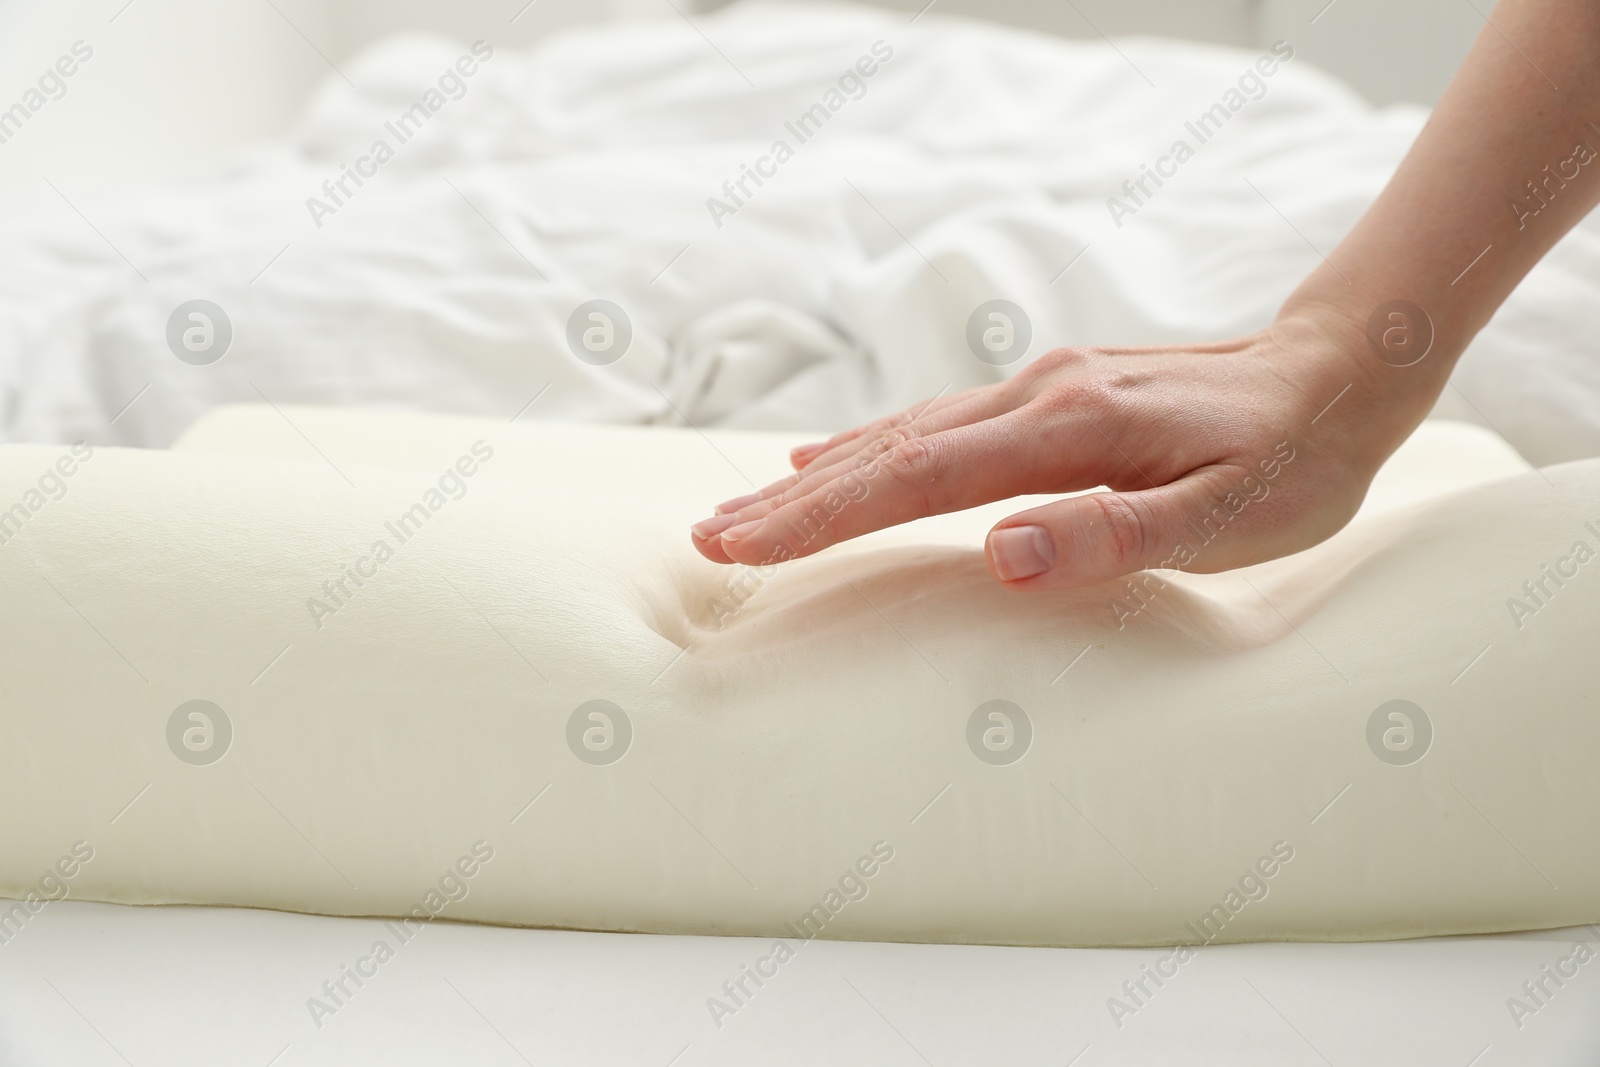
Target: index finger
{"x":947,"y":471}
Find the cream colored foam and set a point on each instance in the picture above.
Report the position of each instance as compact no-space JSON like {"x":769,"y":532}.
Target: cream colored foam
{"x":824,"y":715}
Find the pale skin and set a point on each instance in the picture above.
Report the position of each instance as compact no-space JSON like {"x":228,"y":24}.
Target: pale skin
{"x":1172,"y":430}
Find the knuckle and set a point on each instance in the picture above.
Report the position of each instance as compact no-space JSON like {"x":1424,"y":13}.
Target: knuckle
{"x":910,"y":465}
{"x":763,"y":508}
{"x":1125,"y":527}
{"x":779,"y":492}
{"x":1075,"y":396}
{"x":892,"y":423}
{"x":1060,"y":358}
{"x":908,"y":459}
{"x":886,"y":443}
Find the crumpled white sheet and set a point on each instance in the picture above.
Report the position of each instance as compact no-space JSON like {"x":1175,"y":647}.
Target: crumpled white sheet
{"x":976,"y":166}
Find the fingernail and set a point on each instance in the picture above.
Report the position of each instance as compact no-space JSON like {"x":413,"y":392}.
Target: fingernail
{"x":706,"y":529}
{"x":744,"y":529}
{"x":737,"y":502}
{"x":1021,"y":552}
{"x":806,"y":451}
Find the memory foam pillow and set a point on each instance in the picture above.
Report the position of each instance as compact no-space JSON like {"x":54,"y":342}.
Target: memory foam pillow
{"x":539,"y":706}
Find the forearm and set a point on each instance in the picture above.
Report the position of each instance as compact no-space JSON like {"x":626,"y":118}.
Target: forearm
{"x":1508,"y":162}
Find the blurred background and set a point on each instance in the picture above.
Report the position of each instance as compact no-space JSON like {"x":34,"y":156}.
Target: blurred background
{"x":180,"y":83}
{"x":179,"y":163}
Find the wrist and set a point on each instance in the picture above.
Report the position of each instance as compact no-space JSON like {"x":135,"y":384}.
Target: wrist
{"x":1384,"y":358}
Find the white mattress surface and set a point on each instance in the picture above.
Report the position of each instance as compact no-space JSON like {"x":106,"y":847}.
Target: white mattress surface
{"x":771,"y":746}
{"x":92,"y":984}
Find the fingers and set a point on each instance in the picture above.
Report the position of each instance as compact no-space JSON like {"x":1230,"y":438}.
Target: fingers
{"x":1096,"y":538}
{"x":863,"y":443}
{"x":958,"y":468}
{"x":837,"y":446}
{"x":802,"y":455}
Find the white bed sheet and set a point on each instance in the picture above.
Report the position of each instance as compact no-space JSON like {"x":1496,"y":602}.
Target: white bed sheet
{"x":94,"y":984}
{"x":977,"y":164}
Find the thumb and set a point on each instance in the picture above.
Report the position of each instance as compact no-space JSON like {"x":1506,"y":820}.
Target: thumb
{"x":1083,"y":540}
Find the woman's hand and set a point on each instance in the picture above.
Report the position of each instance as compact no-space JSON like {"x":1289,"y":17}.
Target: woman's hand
{"x":1217,"y":456}
{"x":1226,"y":454}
